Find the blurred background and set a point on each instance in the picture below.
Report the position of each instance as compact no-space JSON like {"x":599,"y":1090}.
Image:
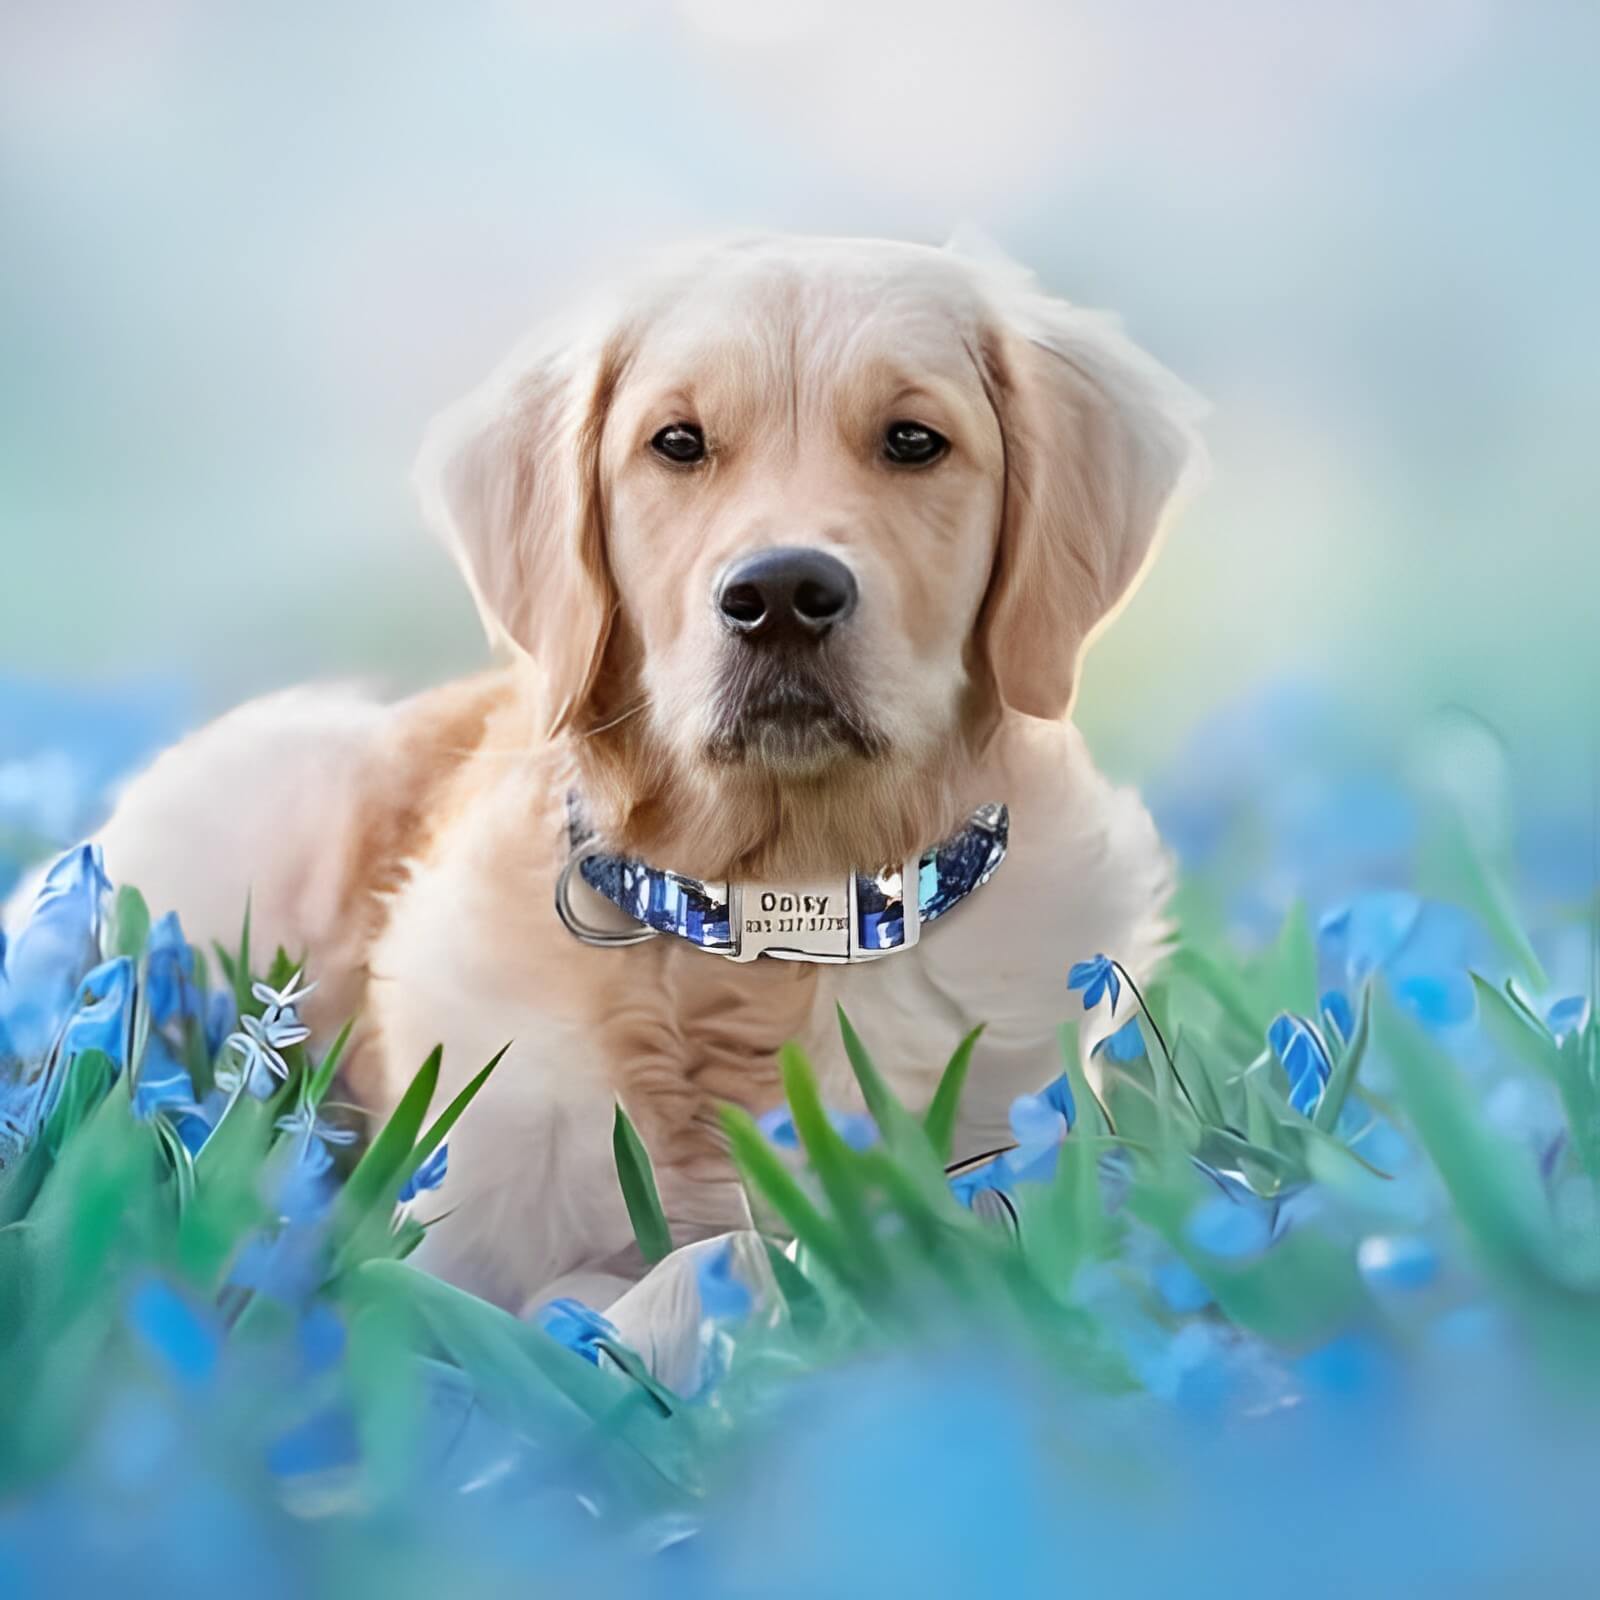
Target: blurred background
{"x":249,"y":249}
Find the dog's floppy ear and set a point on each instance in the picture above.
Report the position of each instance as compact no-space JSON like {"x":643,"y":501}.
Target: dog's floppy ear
{"x":508,"y":478}
{"x":1098,"y":439}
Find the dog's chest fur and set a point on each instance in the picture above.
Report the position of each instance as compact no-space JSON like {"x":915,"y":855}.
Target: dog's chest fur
{"x":472,"y":955}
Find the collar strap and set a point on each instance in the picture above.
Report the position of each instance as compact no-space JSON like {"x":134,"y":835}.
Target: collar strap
{"x":855,"y":916}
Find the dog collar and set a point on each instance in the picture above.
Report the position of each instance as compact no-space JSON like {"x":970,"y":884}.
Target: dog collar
{"x":855,"y":916}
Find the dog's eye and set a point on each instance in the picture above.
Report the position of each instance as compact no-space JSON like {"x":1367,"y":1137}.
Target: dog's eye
{"x":909,"y":444}
{"x":680,"y":442}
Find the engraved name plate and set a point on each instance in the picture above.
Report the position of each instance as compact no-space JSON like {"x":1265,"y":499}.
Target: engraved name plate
{"x":807,"y":920}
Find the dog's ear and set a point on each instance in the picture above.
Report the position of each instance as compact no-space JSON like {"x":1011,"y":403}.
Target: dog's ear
{"x":508,"y":478}
{"x":1099,"y":440}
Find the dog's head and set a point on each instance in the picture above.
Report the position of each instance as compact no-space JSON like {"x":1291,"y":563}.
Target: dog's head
{"x":785,"y":525}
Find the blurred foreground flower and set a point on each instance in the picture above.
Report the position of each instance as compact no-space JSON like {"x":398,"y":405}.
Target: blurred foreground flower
{"x":856,"y":1128}
{"x":579,"y":1327}
{"x":1423,"y":949}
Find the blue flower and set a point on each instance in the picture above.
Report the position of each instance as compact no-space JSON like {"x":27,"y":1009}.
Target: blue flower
{"x":1423,"y":948}
{"x":47,"y":956}
{"x":1039,"y":1122}
{"x":305,"y":1122}
{"x":102,"y":1016}
{"x":323,"y":1442}
{"x":162,"y":1086}
{"x":856,"y":1128}
{"x":288,"y":1263}
{"x":1336,"y":1009}
{"x":577,"y":1326}
{"x":1180,"y":1288}
{"x":320,"y":1337}
{"x":306,"y":1183}
{"x":187,"y":1344}
{"x":1126,"y":1044}
{"x":428,"y":1176}
{"x":1568,"y":1015}
{"x":169,"y":987}
{"x":723,"y":1298}
{"x":1304,"y":1058}
{"x":1347,"y":1366}
{"x":306,"y":1125}
{"x":1368,"y":932}
{"x":996,"y":1174}
{"x":220,"y":1016}
{"x":288,"y":1260}
{"x":1096,"y":977}
{"x":1397,"y":1261}
{"x":1229,"y":1228}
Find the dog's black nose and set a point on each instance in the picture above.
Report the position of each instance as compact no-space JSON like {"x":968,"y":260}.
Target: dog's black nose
{"x":788,"y":591}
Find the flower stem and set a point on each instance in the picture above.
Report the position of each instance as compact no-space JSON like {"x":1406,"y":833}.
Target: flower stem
{"x":1155,"y":1028}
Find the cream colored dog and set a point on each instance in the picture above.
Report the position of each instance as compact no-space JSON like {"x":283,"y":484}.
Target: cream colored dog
{"x":796,"y":545}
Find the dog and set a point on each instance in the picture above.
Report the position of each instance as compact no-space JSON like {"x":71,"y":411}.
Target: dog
{"x":795,"y":547}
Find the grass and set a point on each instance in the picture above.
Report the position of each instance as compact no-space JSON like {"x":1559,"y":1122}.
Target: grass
{"x":1307,"y":1206}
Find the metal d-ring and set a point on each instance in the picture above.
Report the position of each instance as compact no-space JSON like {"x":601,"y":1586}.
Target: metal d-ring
{"x":583,"y":931}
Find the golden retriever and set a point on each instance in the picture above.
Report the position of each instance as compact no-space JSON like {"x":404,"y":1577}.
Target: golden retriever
{"x":796,"y":545}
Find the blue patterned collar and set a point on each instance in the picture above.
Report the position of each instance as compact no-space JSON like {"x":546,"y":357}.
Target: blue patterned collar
{"x":856,"y":916}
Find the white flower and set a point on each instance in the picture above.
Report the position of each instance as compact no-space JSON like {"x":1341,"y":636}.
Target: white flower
{"x":260,"y":1041}
{"x":281,"y":1000}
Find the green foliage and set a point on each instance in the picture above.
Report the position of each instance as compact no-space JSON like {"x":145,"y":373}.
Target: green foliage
{"x":638,"y":1181}
{"x":940,"y":1120}
{"x":864,"y":1248}
{"x":130,"y":924}
{"x":102,"y":1198}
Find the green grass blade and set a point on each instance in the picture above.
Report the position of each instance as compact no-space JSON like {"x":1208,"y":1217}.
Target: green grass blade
{"x":1195,"y":1070}
{"x":807,"y":1313}
{"x":879,"y":1097}
{"x":1083,"y":1094}
{"x":226,"y":1203}
{"x":1522,"y":1035}
{"x":1074,"y":1228}
{"x":940,"y":1121}
{"x":1515,"y":1030}
{"x":764,"y":1170}
{"x":321,"y":1080}
{"x":281,"y":969}
{"x":439,"y":1131}
{"x":832,"y":1160}
{"x":1494,"y":1183}
{"x":1325,"y":1114}
{"x":524,"y":1376}
{"x":130,"y":924}
{"x":381,"y":1170}
{"x":242,"y":998}
{"x":638,"y":1180}
{"x":1294,"y":964}
{"x":1223,"y":987}
{"x":1455,"y":868}
{"x":903,"y":1134}
{"x":87,"y":1081}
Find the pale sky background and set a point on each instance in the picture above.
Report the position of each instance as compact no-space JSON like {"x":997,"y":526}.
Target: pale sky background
{"x":247,"y":250}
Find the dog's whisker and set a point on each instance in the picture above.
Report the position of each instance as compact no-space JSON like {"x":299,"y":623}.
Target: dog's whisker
{"x":641,"y":704}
